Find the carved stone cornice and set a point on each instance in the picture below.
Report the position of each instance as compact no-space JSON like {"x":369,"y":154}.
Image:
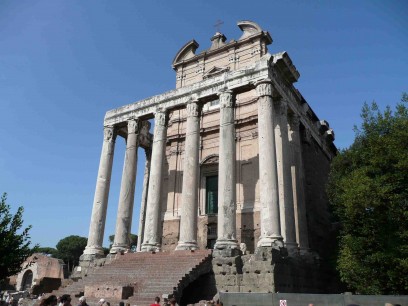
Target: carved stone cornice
{"x":226,"y":99}
{"x":109,"y":134}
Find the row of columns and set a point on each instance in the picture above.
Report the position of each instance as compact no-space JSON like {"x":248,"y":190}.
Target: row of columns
{"x":281,"y":190}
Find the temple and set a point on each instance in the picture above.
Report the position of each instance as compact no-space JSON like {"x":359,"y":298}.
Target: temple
{"x":236,"y":163}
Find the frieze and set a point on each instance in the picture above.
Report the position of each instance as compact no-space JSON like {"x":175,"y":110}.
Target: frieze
{"x":203,"y":89}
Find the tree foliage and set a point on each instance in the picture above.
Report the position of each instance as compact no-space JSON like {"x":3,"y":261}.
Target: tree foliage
{"x":14,"y":240}
{"x":47,"y":250}
{"x":368,"y":191}
{"x":70,"y":249}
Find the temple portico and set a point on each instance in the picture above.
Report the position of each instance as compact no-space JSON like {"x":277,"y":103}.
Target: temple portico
{"x":225,"y":161}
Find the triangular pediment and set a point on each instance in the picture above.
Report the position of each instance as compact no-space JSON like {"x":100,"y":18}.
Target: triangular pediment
{"x":214,"y":71}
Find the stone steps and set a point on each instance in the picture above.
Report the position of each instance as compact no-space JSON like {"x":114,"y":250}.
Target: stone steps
{"x":150,"y":275}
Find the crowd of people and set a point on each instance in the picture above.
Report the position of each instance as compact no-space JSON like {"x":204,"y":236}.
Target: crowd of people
{"x":65,"y":300}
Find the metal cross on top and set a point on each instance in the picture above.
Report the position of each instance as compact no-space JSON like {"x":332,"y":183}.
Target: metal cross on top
{"x":218,"y":24}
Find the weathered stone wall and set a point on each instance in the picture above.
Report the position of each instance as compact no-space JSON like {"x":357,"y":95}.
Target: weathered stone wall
{"x":316,"y":169}
{"x":41,"y":266}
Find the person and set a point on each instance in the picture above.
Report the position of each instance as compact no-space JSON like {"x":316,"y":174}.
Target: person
{"x":82,"y":301}
{"x":121,"y":303}
{"x":101,"y":302}
{"x":66,"y":300}
{"x":156,"y":301}
{"x":49,"y":301}
{"x":172,"y":302}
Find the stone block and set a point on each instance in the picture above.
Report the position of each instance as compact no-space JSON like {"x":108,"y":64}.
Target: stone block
{"x":108,"y":291}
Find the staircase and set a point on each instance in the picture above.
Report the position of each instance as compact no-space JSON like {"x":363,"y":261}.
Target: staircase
{"x":142,"y":276}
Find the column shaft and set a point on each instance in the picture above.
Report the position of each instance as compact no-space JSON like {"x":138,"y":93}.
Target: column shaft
{"x":287,"y":217}
{"x":302,"y":237}
{"x":226,"y":228}
{"x":189,"y":209}
{"x":151,"y":239}
{"x":127,"y":191}
{"x":100,"y":203}
{"x":142,"y":218}
{"x":268,"y":177}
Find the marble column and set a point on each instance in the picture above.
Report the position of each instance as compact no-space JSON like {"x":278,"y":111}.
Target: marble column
{"x":302,"y":237}
{"x":226,"y":227}
{"x":268,"y":176}
{"x":97,"y":227}
{"x":127,"y":190}
{"x":143,"y":203}
{"x":151,"y":239}
{"x":189,"y":197}
{"x":286,"y":210}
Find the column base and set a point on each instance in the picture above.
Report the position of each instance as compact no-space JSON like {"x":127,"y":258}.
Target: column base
{"x":119,"y":248}
{"x":275,"y":241}
{"x":226,"y":248}
{"x":293,"y":248}
{"x":150,"y":247}
{"x":189,"y":245}
{"x":92,"y":252}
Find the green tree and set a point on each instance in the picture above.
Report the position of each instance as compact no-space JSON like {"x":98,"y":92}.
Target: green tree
{"x":368,"y":191}
{"x":14,"y":240}
{"x":70,"y":249}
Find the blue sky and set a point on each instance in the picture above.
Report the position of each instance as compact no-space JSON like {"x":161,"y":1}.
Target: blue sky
{"x":63,"y":64}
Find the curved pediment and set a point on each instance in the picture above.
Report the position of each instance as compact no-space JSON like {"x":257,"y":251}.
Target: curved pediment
{"x":186,"y":52}
{"x":210,"y":160}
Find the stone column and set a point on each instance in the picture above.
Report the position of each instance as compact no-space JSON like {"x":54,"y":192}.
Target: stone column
{"x":151,"y":239}
{"x":287,"y":217}
{"x":97,"y":227}
{"x":226,"y":235}
{"x":189,"y":198}
{"x":127,"y":190}
{"x":268,"y":176}
{"x":143,"y":203}
{"x":302,"y":237}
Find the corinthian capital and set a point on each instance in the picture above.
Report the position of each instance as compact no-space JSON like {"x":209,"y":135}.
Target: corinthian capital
{"x":133,"y":126}
{"x":264,"y":88}
{"x":109,"y":134}
{"x":294,"y":120}
{"x":192,"y":109}
{"x":160,"y":117}
{"x":226,"y":99}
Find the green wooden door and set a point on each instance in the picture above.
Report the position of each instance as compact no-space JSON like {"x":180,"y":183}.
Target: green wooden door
{"x":212,"y":194}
